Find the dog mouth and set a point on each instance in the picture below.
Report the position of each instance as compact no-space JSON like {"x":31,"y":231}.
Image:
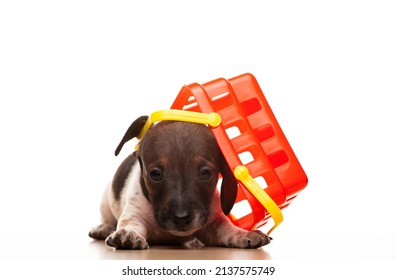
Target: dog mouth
{"x":183,"y":227}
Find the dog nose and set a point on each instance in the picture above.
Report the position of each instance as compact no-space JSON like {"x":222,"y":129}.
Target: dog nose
{"x":181,"y":218}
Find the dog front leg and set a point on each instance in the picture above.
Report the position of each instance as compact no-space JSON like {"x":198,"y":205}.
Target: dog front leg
{"x":131,"y":234}
{"x":222,"y":232}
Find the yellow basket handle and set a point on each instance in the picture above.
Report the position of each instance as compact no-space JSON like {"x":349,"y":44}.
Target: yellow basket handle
{"x":242,"y":174}
{"x":211,"y":119}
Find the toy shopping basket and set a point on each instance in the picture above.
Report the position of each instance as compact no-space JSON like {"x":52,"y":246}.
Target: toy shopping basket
{"x":253,"y":145}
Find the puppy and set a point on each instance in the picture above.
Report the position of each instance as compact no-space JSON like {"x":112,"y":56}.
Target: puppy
{"x":166,"y":192}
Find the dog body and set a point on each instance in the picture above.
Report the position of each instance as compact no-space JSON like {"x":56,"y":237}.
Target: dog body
{"x":166,"y":192}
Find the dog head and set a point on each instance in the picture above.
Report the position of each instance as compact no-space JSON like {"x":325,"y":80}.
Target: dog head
{"x":180,"y":164}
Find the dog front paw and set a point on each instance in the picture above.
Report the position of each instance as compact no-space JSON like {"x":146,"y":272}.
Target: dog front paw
{"x":101,"y":231}
{"x":126,"y":240}
{"x":249,"y":240}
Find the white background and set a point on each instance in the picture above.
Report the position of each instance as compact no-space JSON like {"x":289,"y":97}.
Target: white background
{"x":75,"y":74}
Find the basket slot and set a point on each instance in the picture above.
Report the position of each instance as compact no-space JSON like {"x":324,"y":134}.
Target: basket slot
{"x":220,"y":96}
{"x":251,"y":106}
{"x":261,"y":181}
{"x":191,"y":104}
{"x":233,"y":132}
{"x":262,"y":167}
{"x":264,"y":132}
{"x":246,"y":157}
{"x":242,"y":142}
{"x":191,"y":107}
{"x":278,"y":158}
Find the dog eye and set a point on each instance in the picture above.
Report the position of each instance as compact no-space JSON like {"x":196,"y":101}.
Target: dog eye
{"x":205,"y":173}
{"x":155,"y":175}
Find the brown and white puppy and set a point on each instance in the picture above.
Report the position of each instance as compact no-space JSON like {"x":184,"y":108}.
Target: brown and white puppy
{"x":166,"y":192}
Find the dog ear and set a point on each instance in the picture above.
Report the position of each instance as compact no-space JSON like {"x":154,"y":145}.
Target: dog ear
{"x":133,"y":131}
{"x":229,"y":187}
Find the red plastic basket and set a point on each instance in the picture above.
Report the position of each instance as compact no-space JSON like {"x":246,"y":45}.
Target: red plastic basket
{"x":248,"y":127}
